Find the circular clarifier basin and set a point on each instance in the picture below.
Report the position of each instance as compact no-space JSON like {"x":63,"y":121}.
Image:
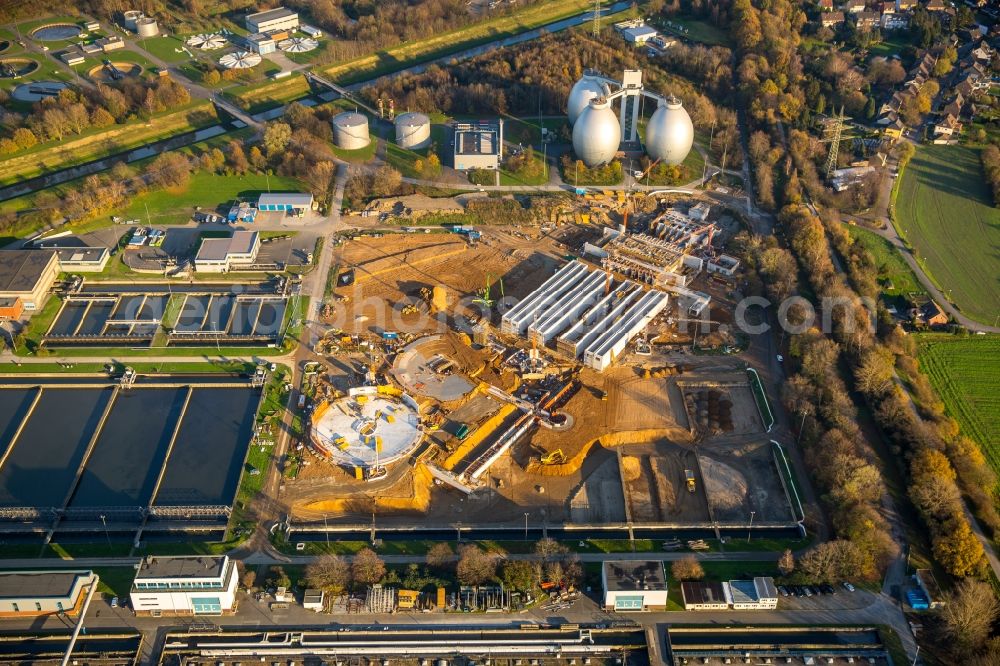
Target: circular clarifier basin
{"x":56,"y":32}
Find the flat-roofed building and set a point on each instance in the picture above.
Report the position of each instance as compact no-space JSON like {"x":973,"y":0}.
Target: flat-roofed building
{"x":634,"y":585}
{"x":757,"y":594}
{"x":478,"y":145}
{"x":220,"y":255}
{"x":28,"y":275}
{"x":281,"y":18}
{"x":261,"y":44}
{"x":295,"y":203}
{"x":704,"y":595}
{"x":173,"y":586}
{"x":37,"y":593}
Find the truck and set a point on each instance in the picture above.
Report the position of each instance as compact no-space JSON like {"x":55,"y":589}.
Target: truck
{"x":302,"y":400}
{"x":689,"y":477}
{"x":462,"y":432}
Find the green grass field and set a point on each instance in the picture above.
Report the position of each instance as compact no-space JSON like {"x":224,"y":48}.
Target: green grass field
{"x":895,"y":276}
{"x":945,"y":212}
{"x":165,"y":48}
{"x":206,"y":190}
{"x":966,"y":374}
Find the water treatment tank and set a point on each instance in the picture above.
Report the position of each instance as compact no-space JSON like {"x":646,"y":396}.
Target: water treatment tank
{"x":146,"y":27}
{"x":669,"y":134}
{"x":350,"y":130}
{"x":131,"y":19}
{"x":596,"y":133}
{"x":584,"y":90}
{"x":413,"y":131}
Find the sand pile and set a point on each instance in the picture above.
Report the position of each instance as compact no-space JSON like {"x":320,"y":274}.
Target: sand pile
{"x":726,"y":488}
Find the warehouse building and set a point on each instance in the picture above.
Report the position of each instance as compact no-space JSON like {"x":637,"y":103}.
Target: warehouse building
{"x":28,"y":275}
{"x":293,"y":203}
{"x":596,"y":315}
{"x":273,"y":19}
{"x":634,"y":585}
{"x":261,"y":44}
{"x":176,"y":586}
{"x":701,"y":595}
{"x":478,"y":145}
{"x":221,"y":255}
{"x":25,"y":594}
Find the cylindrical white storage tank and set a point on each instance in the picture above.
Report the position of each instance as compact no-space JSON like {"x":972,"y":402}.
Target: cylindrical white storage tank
{"x":350,"y":130}
{"x":413,"y":130}
{"x":146,"y":27}
{"x":131,"y":18}
{"x":669,"y":133}
{"x":584,"y":90}
{"x":596,"y":133}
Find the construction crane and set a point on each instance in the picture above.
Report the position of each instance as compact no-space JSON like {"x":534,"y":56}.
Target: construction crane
{"x":485,"y":294}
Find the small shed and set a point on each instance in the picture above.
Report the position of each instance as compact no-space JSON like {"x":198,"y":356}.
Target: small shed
{"x":314,"y":599}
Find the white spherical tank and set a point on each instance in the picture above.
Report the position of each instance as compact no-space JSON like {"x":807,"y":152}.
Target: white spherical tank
{"x":669,"y":133}
{"x":350,"y":130}
{"x":146,"y":27}
{"x":584,"y":90}
{"x":596,"y":133}
{"x":413,"y":130}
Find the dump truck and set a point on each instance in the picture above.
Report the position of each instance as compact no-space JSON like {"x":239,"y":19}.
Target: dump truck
{"x":689,"y":477}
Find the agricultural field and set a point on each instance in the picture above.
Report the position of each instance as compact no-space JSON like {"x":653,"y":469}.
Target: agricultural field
{"x":945,"y":212}
{"x":172,"y":206}
{"x":966,"y":374}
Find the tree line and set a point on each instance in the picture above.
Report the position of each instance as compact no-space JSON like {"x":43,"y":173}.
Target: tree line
{"x":73,"y":112}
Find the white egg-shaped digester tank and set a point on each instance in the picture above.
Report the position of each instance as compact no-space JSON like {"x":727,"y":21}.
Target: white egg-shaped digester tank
{"x":413,"y":131}
{"x":596,"y":133}
{"x":669,"y":133}
{"x":584,"y":90}
{"x":350,"y":130}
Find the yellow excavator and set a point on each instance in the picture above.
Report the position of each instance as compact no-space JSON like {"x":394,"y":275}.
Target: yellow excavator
{"x":556,"y":457}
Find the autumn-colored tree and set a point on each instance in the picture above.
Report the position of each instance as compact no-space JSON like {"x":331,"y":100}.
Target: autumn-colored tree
{"x":968,"y":616}
{"x":958,"y":550}
{"x":687,"y":568}
{"x":257,"y":158}
{"x":475,"y":566}
{"x":249,"y":578}
{"x":276,"y":138}
{"x":367,"y":567}
{"x":440,"y":556}
{"x":786,"y":563}
{"x":518,"y":575}
{"x":330,"y":573}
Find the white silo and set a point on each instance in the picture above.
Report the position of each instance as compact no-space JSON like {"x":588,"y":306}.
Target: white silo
{"x":596,"y":133}
{"x":146,"y":27}
{"x":669,"y":133}
{"x":584,"y":90}
{"x":131,"y":18}
{"x":413,"y":131}
{"x":350,"y":130}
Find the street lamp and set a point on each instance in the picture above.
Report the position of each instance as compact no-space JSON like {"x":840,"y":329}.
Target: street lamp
{"x":106,"y":535}
{"x":525,"y":525}
{"x":751,"y":525}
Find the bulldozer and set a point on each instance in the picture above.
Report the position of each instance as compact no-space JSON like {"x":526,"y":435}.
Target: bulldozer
{"x":556,"y":457}
{"x":689,"y":477}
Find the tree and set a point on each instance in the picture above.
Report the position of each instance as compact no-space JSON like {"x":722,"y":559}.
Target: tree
{"x":257,"y":158}
{"x":833,"y":561}
{"x":249,"y":578}
{"x":330,"y":573}
{"x":367,"y":568}
{"x":958,"y":550}
{"x":237,"y":158}
{"x":211,"y":77}
{"x":518,"y":575}
{"x":100,"y":117}
{"x":276,"y":138}
{"x":687,"y":568}
{"x":786,"y":563}
{"x":170,"y":169}
{"x":386,"y":181}
{"x":276,"y":577}
{"x":969,"y":615}
{"x":440,"y":556}
{"x":475,"y":566}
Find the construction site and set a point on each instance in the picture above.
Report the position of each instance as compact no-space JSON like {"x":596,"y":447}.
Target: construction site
{"x":522,"y":376}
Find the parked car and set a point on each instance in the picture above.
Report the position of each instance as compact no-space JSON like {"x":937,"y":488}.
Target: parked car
{"x":806,"y":591}
{"x":783,"y":590}
{"x":848,"y":586}
{"x":828,"y":589}
{"x":114,"y":602}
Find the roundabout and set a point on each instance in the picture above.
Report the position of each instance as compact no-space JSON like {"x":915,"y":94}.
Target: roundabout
{"x":365,"y":432}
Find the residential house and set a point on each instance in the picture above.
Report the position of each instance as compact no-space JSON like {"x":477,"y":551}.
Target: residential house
{"x":831,"y":19}
{"x":894,"y":21}
{"x":930,"y":314}
{"x":867,"y":20}
{"x":905,"y":5}
{"x":854,"y":6}
{"x":825,"y":5}
{"x":935,"y":6}
{"x":948,"y":126}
